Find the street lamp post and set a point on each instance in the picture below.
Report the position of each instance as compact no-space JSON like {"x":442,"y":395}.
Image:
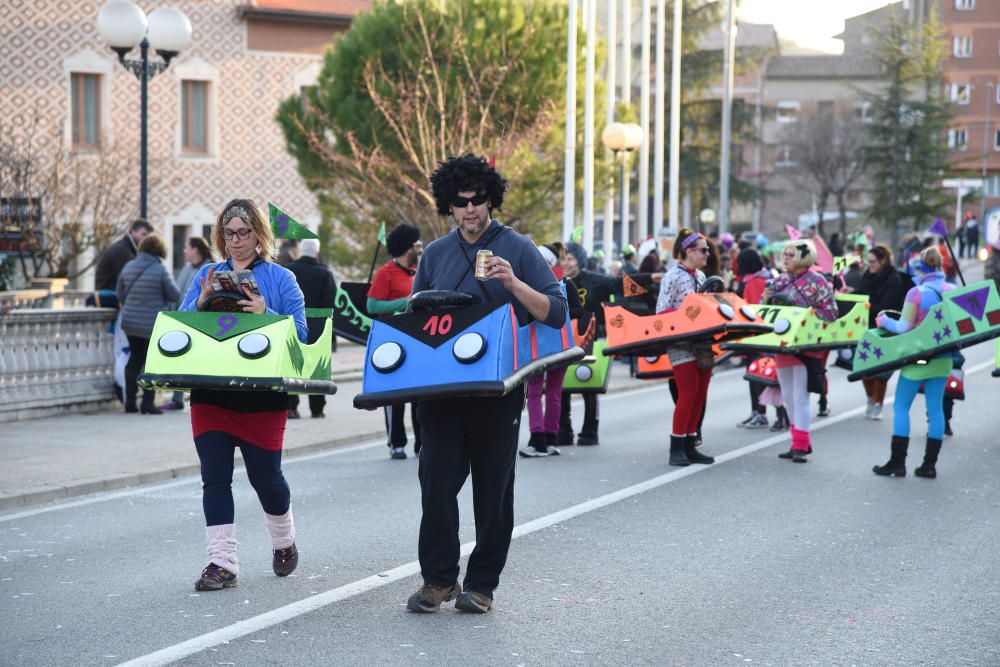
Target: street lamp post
{"x":123,"y":26}
{"x":622,"y":138}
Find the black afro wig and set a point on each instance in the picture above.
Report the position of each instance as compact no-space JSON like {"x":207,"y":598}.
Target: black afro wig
{"x":468,"y":173}
{"x":401,"y":239}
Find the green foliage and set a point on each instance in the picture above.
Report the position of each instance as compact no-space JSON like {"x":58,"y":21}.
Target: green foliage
{"x":413,"y":83}
{"x":909,"y":120}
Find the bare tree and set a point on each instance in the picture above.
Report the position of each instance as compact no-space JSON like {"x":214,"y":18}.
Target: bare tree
{"x":830,"y":149}
{"x":88,"y":199}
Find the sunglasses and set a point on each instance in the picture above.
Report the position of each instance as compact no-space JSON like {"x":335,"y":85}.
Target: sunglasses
{"x":477,"y":200}
{"x":703,"y":249}
{"x":243,"y":233}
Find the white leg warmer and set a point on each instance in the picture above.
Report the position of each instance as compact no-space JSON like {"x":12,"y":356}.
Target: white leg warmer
{"x":281,"y":529}
{"x":222,"y":546}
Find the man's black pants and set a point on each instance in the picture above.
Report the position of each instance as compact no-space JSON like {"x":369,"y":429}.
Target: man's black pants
{"x":459,"y":436}
{"x":395,"y":425}
{"x":590,"y":416}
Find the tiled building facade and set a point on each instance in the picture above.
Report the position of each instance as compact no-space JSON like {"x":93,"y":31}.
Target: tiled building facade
{"x":212,"y":134}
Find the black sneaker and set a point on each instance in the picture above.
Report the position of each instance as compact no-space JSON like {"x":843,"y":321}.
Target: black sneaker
{"x":397,"y":453}
{"x":474,"y":602}
{"x":587,"y":440}
{"x":215,"y":578}
{"x":428,"y":599}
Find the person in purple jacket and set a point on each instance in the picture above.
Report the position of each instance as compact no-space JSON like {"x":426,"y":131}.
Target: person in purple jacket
{"x":477,"y":435}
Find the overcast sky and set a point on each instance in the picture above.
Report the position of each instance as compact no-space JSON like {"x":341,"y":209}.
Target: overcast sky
{"x":809,"y":23}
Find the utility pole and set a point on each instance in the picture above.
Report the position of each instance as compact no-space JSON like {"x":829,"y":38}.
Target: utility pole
{"x":588,"y":130}
{"x":643,"y":166}
{"x":729,"y":52}
{"x":659,"y":105}
{"x":569,"y":151}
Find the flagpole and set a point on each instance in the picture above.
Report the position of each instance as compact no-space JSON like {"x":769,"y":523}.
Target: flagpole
{"x":958,"y":267}
{"x":378,"y":244}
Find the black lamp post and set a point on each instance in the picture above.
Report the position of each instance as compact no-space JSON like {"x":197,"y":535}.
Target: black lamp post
{"x":124,"y":26}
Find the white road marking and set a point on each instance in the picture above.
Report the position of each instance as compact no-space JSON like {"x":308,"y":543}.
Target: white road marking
{"x":269,"y":619}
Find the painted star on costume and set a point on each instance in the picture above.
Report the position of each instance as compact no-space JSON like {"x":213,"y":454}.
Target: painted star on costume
{"x":863,"y":355}
{"x":938,"y":315}
{"x":878,"y":353}
{"x":946,"y":331}
{"x":937,"y":336}
{"x":866,"y":345}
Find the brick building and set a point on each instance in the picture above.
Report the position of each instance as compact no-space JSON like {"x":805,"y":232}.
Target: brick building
{"x":971,"y":69}
{"x":212,"y":134}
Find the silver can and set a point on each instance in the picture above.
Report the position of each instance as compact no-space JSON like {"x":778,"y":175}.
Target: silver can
{"x":481,"y":257}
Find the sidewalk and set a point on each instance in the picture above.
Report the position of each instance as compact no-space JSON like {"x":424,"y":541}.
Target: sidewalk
{"x":53,"y":458}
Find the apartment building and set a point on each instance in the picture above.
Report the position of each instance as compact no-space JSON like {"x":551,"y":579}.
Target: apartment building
{"x":971,"y":73}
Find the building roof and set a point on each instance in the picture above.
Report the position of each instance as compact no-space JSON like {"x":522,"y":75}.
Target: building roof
{"x":292,"y":9}
{"x":748,"y":35}
{"x":854,"y":66}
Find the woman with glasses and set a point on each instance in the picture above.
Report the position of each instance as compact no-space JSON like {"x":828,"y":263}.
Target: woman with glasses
{"x":884,"y":287}
{"x":254,"y":421}
{"x":800,"y":286}
{"x":692,"y":363}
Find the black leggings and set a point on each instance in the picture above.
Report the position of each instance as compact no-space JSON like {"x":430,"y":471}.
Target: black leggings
{"x":216,"y":450}
{"x":138,"y":346}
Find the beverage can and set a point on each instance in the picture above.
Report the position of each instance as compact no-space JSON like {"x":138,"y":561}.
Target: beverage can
{"x":481,"y":258}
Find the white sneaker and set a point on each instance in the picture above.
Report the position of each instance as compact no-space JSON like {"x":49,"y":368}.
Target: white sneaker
{"x":868,"y":409}
{"x":876,"y":414}
{"x":531,"y":452}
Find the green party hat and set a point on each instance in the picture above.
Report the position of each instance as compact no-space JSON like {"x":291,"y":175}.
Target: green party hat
{"x":286,"y":227}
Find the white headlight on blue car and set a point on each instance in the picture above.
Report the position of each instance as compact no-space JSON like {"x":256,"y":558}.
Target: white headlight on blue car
{"x":174,"y":343}
{"x":254,"y":345}
{"x":387,"y":357}
{"x":469,"y":347}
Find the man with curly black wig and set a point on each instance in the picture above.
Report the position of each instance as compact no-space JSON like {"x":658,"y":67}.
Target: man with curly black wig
{"x":477,"y":434}
{"x":388,"y":295}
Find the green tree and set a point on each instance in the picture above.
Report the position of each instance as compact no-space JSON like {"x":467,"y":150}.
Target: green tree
{"x":910,"y":118}
{"x":413,"y":83}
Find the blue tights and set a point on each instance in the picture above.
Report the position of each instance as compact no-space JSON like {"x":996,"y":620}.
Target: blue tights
{"x":906,"y":391}
{"x":216,"y":450}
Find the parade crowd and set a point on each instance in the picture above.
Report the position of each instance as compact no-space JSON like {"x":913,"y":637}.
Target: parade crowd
{"x":544,"y":282}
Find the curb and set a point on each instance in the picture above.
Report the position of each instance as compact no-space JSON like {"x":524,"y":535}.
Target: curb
{"x":56,"y":493}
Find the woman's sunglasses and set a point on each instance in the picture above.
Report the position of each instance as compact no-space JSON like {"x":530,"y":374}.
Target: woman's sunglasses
{"x":477,"y":200}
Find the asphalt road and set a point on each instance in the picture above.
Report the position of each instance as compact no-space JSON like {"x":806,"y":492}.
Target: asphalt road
{"x":618,"y":558}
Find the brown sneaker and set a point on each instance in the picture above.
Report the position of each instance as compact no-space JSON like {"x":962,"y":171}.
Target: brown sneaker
{"x":215,"y":578}
{"x":285,"y":561}
{"x":429,"y":598}
{"x":474,"y":602}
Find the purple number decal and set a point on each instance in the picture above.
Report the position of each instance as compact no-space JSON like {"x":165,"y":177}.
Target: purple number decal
{"x":227,"y":322}
{"x":282,"y":223}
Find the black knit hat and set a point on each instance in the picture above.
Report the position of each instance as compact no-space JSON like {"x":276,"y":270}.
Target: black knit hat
{"x":401,"y":239}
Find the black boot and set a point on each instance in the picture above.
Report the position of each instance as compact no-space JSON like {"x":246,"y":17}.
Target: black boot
{"x":678,"y":456}
{"x":931,"y":452}
{"x":896,"y":466}
{"x":692,"y":453}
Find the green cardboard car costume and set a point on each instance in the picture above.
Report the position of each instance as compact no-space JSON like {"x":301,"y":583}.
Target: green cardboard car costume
{"x":797,"y":329}
{"x":240,"y":351}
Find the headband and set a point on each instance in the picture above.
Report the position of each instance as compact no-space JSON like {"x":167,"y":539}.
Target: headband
{"x":920,"y":266}
{"x":235,"y":212}
{"x":691,"y":240}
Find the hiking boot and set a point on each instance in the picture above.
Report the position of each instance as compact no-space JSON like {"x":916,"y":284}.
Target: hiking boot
{"x":397,"y":453}
{"x":429,"y":598}
{"x":215,"y":578}
{"x":474,"y":602}
{"x":757,"y":421}
{"x":285,"y":561}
